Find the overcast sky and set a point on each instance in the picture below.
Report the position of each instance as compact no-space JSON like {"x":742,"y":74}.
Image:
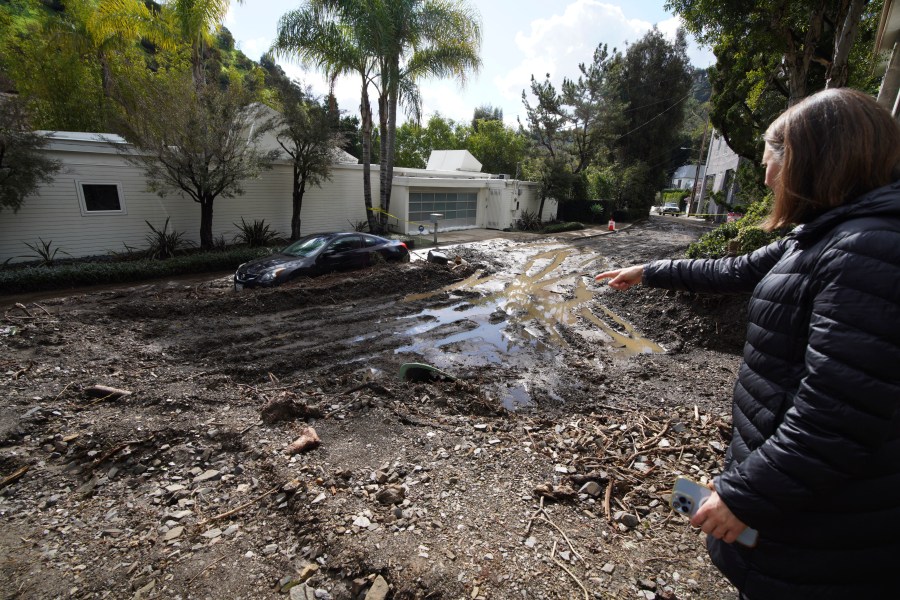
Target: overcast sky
{"x":520,"y":38}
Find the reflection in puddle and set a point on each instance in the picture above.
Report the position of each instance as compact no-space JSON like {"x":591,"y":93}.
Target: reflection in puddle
{"x":629,"y":342}
{"x":508,"y":316}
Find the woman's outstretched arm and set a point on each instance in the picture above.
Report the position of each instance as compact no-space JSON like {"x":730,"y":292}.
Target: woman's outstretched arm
{"x":622,"y":279}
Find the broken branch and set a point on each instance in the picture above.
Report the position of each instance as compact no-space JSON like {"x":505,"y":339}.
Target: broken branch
{"x":13,"y":478}
{"x":238,"y":509}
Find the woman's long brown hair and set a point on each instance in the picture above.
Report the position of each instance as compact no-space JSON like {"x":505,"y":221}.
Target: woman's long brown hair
{"x":832,"y":147}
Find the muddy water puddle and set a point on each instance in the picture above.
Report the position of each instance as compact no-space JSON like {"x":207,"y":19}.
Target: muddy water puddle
{"x":513,"y":319}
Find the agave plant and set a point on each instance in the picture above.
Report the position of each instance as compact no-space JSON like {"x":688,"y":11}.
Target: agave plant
{"x":163,"y":244}
{"x":44,"y":251}
{"x":529,"y":221}
{"x":256,"y":234}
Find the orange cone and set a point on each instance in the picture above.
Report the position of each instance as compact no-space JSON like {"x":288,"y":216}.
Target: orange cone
{"x":612,"y":225}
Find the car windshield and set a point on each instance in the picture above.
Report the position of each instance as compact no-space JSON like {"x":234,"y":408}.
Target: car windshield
{"x":306,"y":246}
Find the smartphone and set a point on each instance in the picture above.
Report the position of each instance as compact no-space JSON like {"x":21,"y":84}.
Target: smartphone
{"x":688,"y":496}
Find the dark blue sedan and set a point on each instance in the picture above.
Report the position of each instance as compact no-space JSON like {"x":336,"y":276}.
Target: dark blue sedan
{"x":317,"y":254}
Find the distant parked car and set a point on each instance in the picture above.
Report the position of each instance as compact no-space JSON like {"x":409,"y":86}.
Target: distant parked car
{"x":317,"y":254}
{"x":670,"y":208}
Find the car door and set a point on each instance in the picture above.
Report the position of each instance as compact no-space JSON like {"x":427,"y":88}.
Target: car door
{"x":343,"y":253}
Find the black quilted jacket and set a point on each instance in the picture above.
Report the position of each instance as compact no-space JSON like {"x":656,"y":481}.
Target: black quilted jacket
{"x":814,"y":464}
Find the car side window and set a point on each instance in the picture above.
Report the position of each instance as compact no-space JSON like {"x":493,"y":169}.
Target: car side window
{"x":370,"y":241}
{"x":345,"y":244}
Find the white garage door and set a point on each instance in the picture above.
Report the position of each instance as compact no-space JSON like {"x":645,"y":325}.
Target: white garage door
{"x":459,"y":208}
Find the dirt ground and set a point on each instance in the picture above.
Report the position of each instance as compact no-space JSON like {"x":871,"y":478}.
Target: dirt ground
{"x":540,"y":468}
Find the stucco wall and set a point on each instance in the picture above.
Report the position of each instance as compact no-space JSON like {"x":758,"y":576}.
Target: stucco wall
{"x":55,"y":213}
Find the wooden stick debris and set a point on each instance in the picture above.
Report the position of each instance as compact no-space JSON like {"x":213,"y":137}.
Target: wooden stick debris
{"x":116,"y":449}
{"x":570,"y":573}
{"x":542,"y":513}
{"x":207,"y":568}
{"x":547,"y":518}
{"x":104,"y":392}
{"x":22,"y":371}
{"x":534,"y":516}
{"x":13,"y":477}
{"x":238,"y":509}
{"x":649,"y":443}
{"x":249,"y":427}
{"x":59,"y":395}
{"x":606,"y":499}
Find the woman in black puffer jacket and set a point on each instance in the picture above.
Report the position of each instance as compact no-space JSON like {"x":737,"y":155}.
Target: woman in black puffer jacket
{"x":814,"y":464}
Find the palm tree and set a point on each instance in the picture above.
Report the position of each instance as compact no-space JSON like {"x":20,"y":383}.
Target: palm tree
{"x":317,"y":35}
{"x":98,"y":30}
{"x":391,"y":45}
{"x":419,"y":39}
{"x":196,"y":20}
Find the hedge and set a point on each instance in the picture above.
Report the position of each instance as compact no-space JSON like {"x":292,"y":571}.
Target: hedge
{"x":15,"y":280}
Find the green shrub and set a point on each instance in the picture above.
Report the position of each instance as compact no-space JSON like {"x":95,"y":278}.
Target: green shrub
{"x":597,"y":211}
{"x":715,"y":243}
{"x":674,"y":195}
{"x":746,"y":231}
{"x":558,"y":227}
{"x":256,"y":234}
{"x":753,"y":237}
{"x":16,"y":280}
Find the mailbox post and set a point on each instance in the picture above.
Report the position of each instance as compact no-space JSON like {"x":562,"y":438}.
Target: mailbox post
{"x":434,"y":220}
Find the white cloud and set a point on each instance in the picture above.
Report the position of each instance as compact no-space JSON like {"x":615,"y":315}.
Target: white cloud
{"x":254,"y":48}
{"x":557,"y":44}
{"x":448,"y":99}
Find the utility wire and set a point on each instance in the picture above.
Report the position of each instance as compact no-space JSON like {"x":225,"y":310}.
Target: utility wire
{"x":685,"y":97}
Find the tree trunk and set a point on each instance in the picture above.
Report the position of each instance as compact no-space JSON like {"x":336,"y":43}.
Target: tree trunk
{"x":838,"y":70}
{"x":801,"y":58}
{"x":297,"y":204}
{"x":389,"y":150}
{"x":198,"y":72}
{"x":382,"y":160}
{"x":206,"y":218}
{"x":365,"y":110}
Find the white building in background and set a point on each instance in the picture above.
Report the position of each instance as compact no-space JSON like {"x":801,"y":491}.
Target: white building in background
{"x":98,"y":203}
{"x":685,"y":176}
{"x":721,"y":169}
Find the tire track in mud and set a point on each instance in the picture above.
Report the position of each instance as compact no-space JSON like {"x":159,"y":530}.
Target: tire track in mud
{"x":333,"y":322}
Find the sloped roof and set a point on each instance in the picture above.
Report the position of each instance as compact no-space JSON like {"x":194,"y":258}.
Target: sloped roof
{"x":453,"y":160}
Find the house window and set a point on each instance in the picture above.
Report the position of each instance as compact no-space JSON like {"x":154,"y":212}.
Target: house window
{"x":98,"y":197}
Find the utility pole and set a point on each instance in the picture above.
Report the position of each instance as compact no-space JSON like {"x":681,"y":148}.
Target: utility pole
{"x":687,"y":212}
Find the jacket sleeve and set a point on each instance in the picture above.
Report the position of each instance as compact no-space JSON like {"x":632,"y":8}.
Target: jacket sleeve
{"x":844,"y":425}
{"x":733,"y":275}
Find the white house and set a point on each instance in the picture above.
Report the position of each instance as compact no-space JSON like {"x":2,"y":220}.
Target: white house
{"x":721,"y":167}
{"x":685,"y":175}
{"x":98,"y":203}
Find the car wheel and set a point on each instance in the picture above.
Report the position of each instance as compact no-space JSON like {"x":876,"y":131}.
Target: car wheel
{"x":405,"y":258}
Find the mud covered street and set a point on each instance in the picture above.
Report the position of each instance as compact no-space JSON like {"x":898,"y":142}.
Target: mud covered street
{"x":146,"y":433}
